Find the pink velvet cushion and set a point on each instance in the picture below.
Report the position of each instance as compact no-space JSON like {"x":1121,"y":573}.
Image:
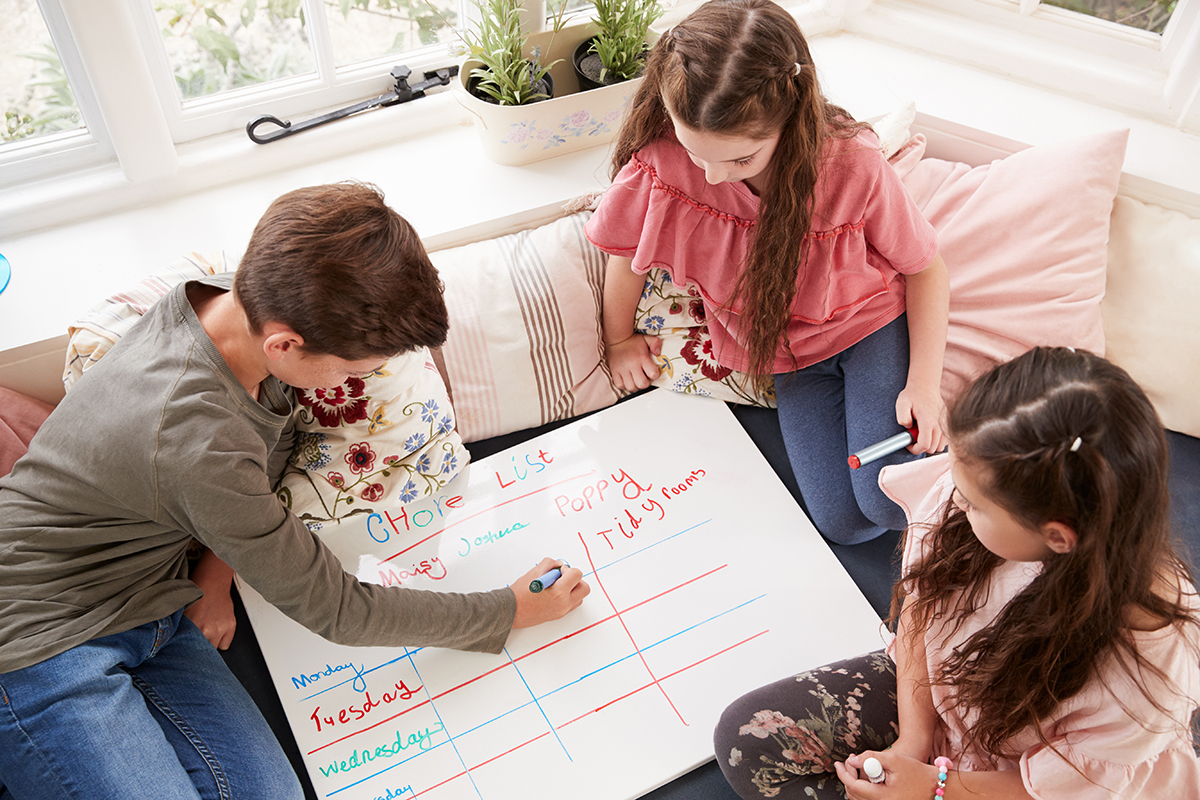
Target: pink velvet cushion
{"x":20,"y":417}
{"x":1025,"y":240}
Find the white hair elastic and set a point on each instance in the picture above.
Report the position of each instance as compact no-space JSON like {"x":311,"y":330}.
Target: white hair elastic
{"x":1075,"y":445}
{"x":798,"y":68}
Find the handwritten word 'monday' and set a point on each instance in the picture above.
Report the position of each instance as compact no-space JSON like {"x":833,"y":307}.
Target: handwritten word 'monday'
{"x":304,"y":680}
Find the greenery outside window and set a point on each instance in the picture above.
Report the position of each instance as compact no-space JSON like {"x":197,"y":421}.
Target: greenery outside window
{"x":215,"y":46}
{"x":34,"y":91}
{"x":219,"y":63}
{"x":1147,"y":15}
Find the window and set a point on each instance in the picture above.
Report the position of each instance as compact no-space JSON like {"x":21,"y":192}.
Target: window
{"x":1147,"y":15}
{"x":44,"y":95}
{"x":219,"y":63}
{"x":1137,"y":56}
{"x":34,"y":90}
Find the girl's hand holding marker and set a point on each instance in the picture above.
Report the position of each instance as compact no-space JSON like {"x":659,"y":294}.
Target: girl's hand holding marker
{"x":555,"y":596}
{"x":877,"y":775}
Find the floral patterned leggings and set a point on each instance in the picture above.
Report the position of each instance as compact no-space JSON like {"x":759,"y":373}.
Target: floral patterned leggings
{"x":781,"y":740}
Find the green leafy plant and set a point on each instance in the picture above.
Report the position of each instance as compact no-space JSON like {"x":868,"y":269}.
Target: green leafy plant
{"x":621,"y":42}
{"x":507,"y":75}
{"x":47,"y":105}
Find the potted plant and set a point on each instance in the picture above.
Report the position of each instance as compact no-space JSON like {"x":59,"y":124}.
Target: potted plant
{"x":571,"y":120}
{"x":617,"y":52}
{"x":506,"y":75}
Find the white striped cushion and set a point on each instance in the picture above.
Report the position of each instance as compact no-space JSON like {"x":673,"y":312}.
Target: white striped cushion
{"x":93,"y":335}
{"x":524,"y":346}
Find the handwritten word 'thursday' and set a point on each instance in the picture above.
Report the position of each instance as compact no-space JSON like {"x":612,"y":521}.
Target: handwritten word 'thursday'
{"x":422,"y":739}
{"x":301,"y":681}
{"x":430,"y":568}
{"x":353,"y":713}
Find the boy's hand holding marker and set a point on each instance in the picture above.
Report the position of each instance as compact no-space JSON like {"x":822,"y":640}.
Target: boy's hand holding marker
{"x":555,"y":601}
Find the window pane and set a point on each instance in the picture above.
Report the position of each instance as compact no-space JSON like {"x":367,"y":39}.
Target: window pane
{"x":34,"y":92}
{"x":218,"y":45}
{"x":364,"y":29}
{"x":1149,"y":15}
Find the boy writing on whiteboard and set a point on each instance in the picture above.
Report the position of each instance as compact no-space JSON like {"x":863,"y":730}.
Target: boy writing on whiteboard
{"x":179,"y":433}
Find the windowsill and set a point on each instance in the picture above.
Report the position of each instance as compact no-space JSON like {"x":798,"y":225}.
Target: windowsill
{"x":74,"y":243}
{"x":439,"y":180}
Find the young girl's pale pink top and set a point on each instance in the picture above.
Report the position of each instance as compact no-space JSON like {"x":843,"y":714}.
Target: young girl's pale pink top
{"x":866,"y":233}
{"x":1124,"y":746}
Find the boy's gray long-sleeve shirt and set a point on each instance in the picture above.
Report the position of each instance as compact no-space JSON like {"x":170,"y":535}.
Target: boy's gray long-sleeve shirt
{"x":159,"y":443}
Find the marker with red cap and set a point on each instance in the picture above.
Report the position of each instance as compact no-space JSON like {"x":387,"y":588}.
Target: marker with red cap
{"x":881,"y":449}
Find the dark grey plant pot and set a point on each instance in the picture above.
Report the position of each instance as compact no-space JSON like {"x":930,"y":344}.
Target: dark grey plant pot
{"x":545,"y":85}
{"x":588,"y":66}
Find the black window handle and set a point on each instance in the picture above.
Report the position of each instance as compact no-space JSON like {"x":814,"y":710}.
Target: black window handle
{"x":400,"y":93}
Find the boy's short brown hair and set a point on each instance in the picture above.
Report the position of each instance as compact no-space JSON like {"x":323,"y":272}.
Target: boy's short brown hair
{"x":342,"y":269}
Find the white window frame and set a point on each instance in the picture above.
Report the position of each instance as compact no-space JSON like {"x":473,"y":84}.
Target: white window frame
{"x":1114,"y":65}
{"x":25,"y":160}
{"x":296,"y":97}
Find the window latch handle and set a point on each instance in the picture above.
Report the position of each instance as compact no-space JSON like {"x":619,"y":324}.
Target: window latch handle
{"x":402,"y":92}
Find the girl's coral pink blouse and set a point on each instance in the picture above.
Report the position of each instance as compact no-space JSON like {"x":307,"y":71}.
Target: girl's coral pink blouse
{"x":866,"y":233}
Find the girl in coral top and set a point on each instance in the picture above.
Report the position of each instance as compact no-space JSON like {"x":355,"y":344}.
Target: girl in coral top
{"x":1048,"y":642}
{"x":734,"y":174}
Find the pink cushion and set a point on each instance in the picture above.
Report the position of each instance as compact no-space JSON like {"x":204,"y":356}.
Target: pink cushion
{"x":1025,"y":240}
{"x":20,"y":417}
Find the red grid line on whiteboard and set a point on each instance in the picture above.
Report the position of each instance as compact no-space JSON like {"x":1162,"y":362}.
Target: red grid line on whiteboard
{"x":632,"y":641}
{"x":499,"y":667}
{"x":614,"y":701}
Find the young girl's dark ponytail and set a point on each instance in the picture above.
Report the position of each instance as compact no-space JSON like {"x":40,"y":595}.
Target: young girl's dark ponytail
{"x":1067,"y":437}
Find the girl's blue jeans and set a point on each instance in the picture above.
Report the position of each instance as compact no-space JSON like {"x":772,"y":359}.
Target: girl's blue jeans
{"x":837,"y":407}
{"x":151,"y":712}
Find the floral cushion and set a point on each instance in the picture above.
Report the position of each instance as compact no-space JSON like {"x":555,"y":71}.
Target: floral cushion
{"x":676,"y":315}
{"x":383,"y":439}
{"x":389,"y":436}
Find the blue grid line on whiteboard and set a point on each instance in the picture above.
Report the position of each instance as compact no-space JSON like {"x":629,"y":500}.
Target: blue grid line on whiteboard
{"x":654,"y":682}
{"x":585,"y":575}
{"x":555,"y":728}
{"x":713,"y":613}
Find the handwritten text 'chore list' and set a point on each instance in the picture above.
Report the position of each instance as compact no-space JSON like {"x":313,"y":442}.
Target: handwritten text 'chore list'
{"x":707,"y":581}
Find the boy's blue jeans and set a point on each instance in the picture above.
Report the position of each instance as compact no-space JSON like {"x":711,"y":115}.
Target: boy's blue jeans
{"x":152,"y":712}
{"x":837,"y":407}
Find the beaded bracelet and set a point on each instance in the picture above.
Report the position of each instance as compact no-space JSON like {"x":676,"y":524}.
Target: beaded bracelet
{"x":943,"y":765}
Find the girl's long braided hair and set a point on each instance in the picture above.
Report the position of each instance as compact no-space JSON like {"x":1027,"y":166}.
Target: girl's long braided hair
{"x":1016,"y":426}
{"x":730,"y":68}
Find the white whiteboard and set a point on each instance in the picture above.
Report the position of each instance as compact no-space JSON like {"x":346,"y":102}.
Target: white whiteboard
{"x":707,"y":581}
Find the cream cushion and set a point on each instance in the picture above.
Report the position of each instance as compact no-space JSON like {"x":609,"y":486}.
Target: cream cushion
{"x":1151,"y":310}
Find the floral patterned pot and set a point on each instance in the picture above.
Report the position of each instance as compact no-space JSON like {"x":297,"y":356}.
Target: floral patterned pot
{"x":571,"y":120}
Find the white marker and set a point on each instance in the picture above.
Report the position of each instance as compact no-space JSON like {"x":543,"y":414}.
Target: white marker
{"x":873,"y":769}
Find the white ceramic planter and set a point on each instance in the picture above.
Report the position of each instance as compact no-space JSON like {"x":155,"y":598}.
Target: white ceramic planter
{"x":571,"y":120}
